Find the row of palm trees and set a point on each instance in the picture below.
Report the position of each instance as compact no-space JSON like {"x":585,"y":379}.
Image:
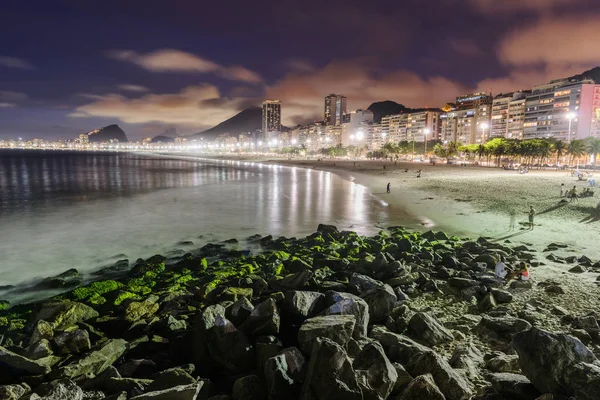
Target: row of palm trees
{"x":530,"y":151}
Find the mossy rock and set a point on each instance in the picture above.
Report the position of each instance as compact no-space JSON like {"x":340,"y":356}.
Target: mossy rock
{"x":93,"y":292}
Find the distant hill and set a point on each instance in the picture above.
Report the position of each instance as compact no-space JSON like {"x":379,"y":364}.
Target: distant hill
{"x":248,"y":120}
{"x":382,"y":108}
{"x":162,"y":139}
{"x":106,"y":134}
{"x":593,"y":73}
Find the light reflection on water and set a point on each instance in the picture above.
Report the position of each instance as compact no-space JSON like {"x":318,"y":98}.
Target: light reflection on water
{"x":65,"y":210}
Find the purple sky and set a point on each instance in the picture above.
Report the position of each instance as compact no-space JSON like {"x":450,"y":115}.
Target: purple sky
{"x":69,"y":66}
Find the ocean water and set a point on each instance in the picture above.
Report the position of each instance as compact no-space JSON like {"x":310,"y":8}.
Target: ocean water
{"x":61,"y":210}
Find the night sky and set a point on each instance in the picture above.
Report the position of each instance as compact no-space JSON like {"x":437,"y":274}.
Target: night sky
{"x":69,"y":66}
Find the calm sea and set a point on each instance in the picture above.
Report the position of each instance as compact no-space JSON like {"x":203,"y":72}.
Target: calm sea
{"x":61,"y":210}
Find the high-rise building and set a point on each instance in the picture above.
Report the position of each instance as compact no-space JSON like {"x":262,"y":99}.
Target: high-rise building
{"x":551,"y":108}
{"x":354,"y":130}
{"x":469,"y":122}
{"x":271,"y":119}
{"x":395,"y":126}
{"x":335,"y":108}
{"x":424,"y":123}
{"x":508,"y":111}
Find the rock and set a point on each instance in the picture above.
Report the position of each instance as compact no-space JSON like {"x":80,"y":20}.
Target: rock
{"x":292,"y":282}
{"x":400,"y":295}
{"x":331,"y":229}
{"x":461,"y":283}
{"x":379,"y":296}
{"x":248,"y":388}
{"x":62,"y":314}
{"x":403,"y":379}
{"x":487,"y":303}
{"x":283,"y":374}
{"x":67,"y":279}
{"x":504,"y":326}
{"x":503,"y":363}
{"x":264,"y":319}
{"x":584,"y":380}
{"x":422,"y":388}
{"x":300,"y":305}
{"x":426,"y":329}
{"x":501,"y":296}
{"x":42,"y":330}
{"x":39,"y":350}
{"x":13,"y":365}
{"x":96,"y":361}
{"x":98,"y":382}
{"x":337,"y":328}
{"x":131,"y":386}
{"x":65,"y":390}
{"x":226,"y":345}
{"x":13,"y":392}
{"x":184,"y":392}
{"x":348,"y":304}
{"x":489,"y":259}
{"x":330,"y":374}
{"x":399,"y":348}
{"x":137,"y":310}
{"x":578,"y":269}
{"x":239,"y":311}
{"x":468,"y":358}
{"x":376,"y":375}
{"x":138,"y":368}
{"x":513,"y":386}
{"x":521,"y":284}
{"x":452,"y":384}
{"x":170,"y":378}
{"x":546,"y":358}
{"x":234,"y":294}
{"x":72,"y":342}
{"x":554,"y":289}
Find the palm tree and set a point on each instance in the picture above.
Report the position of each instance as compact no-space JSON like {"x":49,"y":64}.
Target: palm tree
{"x":576,"y":149}
{"x":559,"y":148}
{"x":593,"y":148}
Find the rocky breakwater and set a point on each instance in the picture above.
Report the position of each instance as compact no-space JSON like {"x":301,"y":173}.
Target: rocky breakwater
{"x":335,"y":315}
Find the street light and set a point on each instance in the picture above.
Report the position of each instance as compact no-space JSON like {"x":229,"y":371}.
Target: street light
{"x":484,"y":126}
{"x":570,"y":116}
{"x":426,"y":132}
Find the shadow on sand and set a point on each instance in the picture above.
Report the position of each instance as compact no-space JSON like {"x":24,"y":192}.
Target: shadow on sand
{"x":593,"y":217}
{"x":556,"y":207}
{"x":512,"y":235}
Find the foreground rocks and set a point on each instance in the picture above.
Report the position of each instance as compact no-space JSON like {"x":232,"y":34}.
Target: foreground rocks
{"x":399,"y":315}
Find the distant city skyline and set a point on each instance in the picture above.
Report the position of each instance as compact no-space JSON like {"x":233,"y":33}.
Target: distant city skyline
{"x":69,"y":67}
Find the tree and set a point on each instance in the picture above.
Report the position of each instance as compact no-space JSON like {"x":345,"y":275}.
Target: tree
{"x":440,"y":151}
{"x":593,"y":148}
{"x":576,"y":149}
{"x":559,"y":147}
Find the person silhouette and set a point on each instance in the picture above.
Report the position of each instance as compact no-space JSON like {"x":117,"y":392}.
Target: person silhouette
{"x":388,"y":187}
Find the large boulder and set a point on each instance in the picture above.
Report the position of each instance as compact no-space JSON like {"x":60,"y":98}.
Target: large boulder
{"x":65,"y":390}
{"x":170,"y":378}
{"x":513,"y":386}
{"x":183,"y":392}
{"x":96,"y":361}
{"x":338,"y":303}
{"x":376,"y":375}
{"x":72,"y":342}
{"x":137,"y":310}
{"x":338,"y":328}
{"x":62,"y":314}
{"x":452,"y":384}
{"x":292,"y":282}
{"x":12,"y":392}
{"x":398,"y":347}
{"x":426,"y":329}
{"x":264,"y":319}
{"x":548,"y":358}
{"x":505,"y":326}
{"x":13,"y":365}
{"x":284,"y":374}
{"x":300,"y":305}
{"x":216,"y":342}
{"x":379,"y":296}
{"x":330,"y":374}
{"x":422,"y":388}
{"x":584,"y":380}
{"x":248,"y":388}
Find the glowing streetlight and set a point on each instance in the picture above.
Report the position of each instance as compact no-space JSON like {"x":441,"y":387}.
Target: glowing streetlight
{"x":294,"y":141}
{"x":426,"y":132}
{"x":484,"y":126}
{"x":360,"y":135}
{"x":570,"y":116}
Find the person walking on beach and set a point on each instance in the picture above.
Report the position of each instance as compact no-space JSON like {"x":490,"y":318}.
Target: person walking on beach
{"x":511,"y":225}
{"x":531,"y":216}
{"x":388,"y":187}
{"x":418,"y":173}
{"x":573,"y":194}
{"x":562,"y":189}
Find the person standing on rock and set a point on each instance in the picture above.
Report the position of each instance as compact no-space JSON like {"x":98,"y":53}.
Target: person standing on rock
{"x":531,"y":216}
{"x":388,"y":187}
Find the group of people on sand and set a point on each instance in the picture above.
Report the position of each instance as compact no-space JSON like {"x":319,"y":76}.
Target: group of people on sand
{"x":506,"y":273}
{"x":572,"y":194}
